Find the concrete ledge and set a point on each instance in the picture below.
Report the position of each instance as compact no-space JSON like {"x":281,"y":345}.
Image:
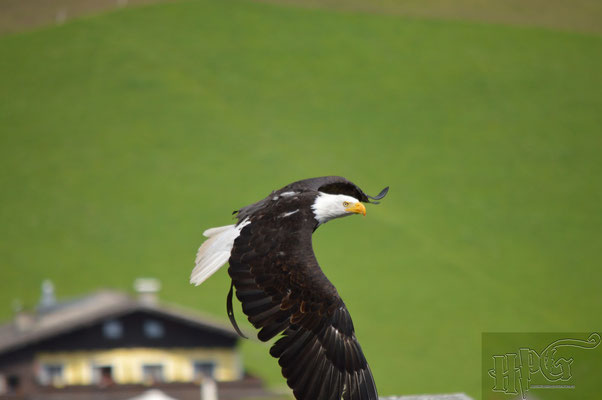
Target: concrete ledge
{"x":451,"y":396}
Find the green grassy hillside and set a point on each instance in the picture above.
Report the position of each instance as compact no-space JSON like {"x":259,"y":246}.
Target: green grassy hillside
{"x":124,"y":136}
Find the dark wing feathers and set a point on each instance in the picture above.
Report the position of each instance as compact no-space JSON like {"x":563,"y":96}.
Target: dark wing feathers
{"x":283,"y":290}
{"x":329,"y":184}
{"x":326,"y":184}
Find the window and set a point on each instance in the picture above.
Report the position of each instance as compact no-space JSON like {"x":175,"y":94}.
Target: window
{"x":112,"y":329}
{"x":13,"y":384}
{"x":204,"y":369}
{"x":102,"y":375}
{"x":152,"y":373}
{"x":51,"y":374}
{"x":153,"y":329}
{"x":10,"y":384}
{"x":3,"y":385}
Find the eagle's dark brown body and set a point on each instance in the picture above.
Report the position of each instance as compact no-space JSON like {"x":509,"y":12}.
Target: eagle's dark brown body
{"x":283,"y":290}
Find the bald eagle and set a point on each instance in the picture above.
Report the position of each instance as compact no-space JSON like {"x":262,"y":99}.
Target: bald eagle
{"x":284,"y":291}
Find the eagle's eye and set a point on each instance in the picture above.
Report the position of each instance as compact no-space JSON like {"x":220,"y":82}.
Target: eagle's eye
{"x":345,"y":204}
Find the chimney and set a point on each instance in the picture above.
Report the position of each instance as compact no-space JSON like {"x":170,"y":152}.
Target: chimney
{"x":48,"y":299}
{"x":23,"y":320}
{"x":147,"y":289}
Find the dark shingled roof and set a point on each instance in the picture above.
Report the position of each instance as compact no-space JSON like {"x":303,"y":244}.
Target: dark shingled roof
{"x":85,"y":311}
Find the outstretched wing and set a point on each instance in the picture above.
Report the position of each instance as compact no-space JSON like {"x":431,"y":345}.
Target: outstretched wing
{"x":283,"y":290}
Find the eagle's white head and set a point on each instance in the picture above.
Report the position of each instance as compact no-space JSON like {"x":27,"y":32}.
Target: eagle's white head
{"x":331,"y":206}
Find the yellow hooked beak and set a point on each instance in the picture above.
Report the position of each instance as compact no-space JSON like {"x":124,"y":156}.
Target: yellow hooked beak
{"x":357,"y":208}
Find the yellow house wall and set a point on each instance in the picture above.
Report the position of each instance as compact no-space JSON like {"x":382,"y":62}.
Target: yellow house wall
{"x":127,"y":363}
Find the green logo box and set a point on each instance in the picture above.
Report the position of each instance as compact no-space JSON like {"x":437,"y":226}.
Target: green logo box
{"x":541,"y":366}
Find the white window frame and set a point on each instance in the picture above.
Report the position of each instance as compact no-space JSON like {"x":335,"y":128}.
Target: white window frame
{"x":46,"y":380}
{"x":157,"y":364}
{"x":96,"y":380}
{"x":211,"y":361}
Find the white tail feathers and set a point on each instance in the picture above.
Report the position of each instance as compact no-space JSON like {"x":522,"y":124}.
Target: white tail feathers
{"x":215,"y":251}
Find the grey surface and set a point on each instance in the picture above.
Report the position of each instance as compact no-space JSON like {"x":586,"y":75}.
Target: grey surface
{"x":451,"y":396}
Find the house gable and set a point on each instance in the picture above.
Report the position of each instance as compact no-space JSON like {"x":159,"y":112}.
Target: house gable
{"x":140,"y":328}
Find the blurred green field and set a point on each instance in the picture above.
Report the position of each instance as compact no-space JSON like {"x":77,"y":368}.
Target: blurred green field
{"x":573,"y":15}
{"x":124,"y":136}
